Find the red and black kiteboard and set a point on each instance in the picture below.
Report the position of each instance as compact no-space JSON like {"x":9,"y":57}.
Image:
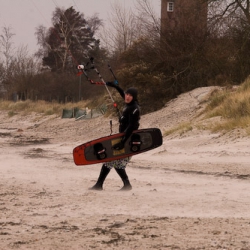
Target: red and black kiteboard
{"x":101,"y":150}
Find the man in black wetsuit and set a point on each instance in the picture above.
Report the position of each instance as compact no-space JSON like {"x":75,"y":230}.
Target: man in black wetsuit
{"x":128,"y":122}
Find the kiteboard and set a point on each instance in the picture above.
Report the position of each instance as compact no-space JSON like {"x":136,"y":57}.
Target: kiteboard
{"x":101,"y":150}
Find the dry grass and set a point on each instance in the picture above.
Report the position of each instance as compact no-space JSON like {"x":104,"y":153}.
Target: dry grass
{"x":233,"y":105}
{"x":181,"y":129}
{"x":40,"y":107}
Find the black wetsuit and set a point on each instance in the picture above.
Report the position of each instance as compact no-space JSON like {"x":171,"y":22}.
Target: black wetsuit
{"x":130,"y":117}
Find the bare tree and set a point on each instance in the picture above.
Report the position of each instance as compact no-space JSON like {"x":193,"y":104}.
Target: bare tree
{"x":23,"y":70}
{"x":229,"y":25}
{"x":225,"y":14}
{"x":230,"y":7}
{"x":44,"y":47}
{"x":123,"y":30}
{"x":6,"y":55}
{"x":6,"y":46}
{"x":149,"y":21}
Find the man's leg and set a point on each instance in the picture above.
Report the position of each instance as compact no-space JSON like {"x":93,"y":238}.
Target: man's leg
{"x":126,"y":184}
{"x":103,"y":174}
{"x":120,"y":169}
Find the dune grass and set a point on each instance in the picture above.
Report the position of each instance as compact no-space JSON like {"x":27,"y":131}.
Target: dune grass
{"x":40,"y":107}
{"x":232,"y":106}
{"x":181,"y":129}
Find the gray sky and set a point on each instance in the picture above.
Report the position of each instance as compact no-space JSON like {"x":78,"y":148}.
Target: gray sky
{"x":23,"y":16}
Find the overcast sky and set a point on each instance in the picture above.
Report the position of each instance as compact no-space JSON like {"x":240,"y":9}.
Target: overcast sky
{"x":23,"y":16}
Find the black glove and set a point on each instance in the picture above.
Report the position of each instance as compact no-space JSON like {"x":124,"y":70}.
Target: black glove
{"x":112,"y":84}
{"x":119,"y":145}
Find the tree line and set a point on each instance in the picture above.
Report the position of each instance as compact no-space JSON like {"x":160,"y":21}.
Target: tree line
{"x":160,"y":65}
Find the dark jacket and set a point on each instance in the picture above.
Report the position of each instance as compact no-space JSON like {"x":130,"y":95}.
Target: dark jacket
{"x":130,"y":117}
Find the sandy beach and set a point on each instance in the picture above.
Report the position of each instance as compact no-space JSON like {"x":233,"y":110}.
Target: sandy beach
{"x":190,"y":193}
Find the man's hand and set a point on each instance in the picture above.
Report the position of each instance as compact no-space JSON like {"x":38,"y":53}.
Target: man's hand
{"x":112,"y":84}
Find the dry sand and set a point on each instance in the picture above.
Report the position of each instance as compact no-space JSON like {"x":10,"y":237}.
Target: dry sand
{"x":190,"y":193}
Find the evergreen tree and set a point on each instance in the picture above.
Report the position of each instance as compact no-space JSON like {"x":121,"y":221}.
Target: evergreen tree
{"x":68,"y":41}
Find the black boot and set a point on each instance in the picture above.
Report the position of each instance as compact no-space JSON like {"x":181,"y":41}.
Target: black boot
{"x":122,"y":173}
{"x":103,"y":174}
